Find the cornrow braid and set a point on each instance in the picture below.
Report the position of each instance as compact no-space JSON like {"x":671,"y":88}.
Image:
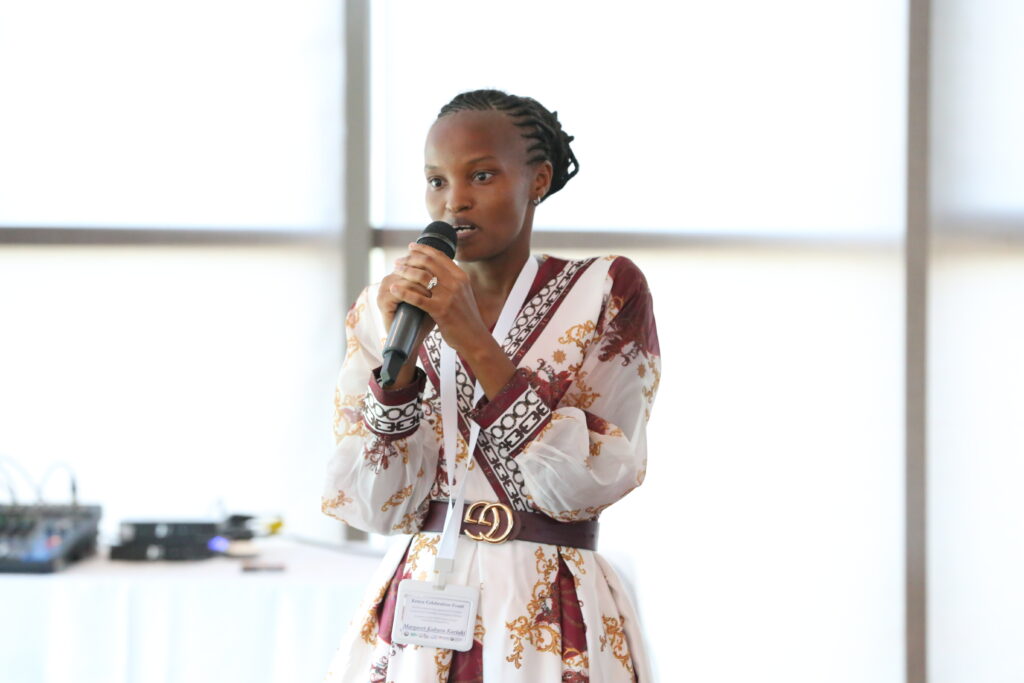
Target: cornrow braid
{"x":550,"y":142}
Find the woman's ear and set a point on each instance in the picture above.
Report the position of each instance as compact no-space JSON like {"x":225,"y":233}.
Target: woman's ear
{"x":541,"y":180}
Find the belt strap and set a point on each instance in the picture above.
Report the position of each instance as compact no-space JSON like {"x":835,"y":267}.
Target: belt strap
{"x":498,"y":523}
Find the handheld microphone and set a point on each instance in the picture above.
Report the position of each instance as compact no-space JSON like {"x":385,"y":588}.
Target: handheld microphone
{"x":408,"y":318}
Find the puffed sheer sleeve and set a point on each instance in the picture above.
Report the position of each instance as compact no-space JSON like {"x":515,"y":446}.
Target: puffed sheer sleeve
{"x":589,"y":449}
{"x":386,"y":450}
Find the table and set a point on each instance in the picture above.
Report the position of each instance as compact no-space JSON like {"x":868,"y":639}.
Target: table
{"x":109,"y":621}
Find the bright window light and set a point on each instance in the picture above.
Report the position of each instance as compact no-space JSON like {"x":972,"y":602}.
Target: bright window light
{"x":734,"y":117}
{"x":182,"y":115}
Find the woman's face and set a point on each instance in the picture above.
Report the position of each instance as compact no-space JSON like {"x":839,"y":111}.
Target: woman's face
{"x":479,"y":181}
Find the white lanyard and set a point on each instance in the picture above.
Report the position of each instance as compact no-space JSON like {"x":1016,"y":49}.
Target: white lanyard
{"x":450,"y":423}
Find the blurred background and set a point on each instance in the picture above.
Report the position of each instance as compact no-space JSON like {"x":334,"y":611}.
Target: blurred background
{"x":827,"y":198}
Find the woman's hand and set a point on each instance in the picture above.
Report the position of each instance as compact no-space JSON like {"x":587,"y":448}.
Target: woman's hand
{"x":401,"y":279}
{"x":387,"y":300}
{"x":452,"y":305}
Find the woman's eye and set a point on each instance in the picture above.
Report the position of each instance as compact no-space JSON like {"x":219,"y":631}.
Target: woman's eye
{"x":435,"y":182}
{"x":483,"y":176}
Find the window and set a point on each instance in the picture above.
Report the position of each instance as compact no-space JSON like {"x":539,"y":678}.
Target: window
{"x":190,"y":115}
{"x":727,"y":118}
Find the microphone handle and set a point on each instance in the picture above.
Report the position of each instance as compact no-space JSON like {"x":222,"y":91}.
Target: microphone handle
{"x":402,"y":335}
{"x":401,"y":338}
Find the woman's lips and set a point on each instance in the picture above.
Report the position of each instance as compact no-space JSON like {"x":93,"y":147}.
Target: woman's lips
{"x":464,"y":230}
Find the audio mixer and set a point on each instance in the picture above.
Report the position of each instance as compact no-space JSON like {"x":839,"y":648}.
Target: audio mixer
{"x":46,"y":538}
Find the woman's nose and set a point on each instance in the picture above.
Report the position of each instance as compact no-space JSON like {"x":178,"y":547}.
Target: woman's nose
{"x":458,"y":199}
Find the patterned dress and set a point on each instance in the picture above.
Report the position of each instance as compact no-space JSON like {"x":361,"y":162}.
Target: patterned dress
{"x":565,"y":437}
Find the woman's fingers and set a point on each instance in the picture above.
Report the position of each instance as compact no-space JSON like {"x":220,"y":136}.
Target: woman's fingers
{"x":422,"y":264}
{"x":451,"y":303}
{"x":411,"y":294}
{"x":432,"y":260}
{"x":417,"y":276}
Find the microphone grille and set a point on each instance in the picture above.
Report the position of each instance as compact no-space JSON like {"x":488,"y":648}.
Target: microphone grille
{"x":440,"y":236}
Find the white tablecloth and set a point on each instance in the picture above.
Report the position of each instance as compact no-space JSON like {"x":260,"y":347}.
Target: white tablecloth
{"x":181,"y":622}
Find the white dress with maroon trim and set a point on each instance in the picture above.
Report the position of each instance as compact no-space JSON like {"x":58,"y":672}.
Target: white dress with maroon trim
{"x":566,"y":437}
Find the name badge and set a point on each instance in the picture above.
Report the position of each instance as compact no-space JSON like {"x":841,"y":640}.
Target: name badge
{"x":435,"y":617}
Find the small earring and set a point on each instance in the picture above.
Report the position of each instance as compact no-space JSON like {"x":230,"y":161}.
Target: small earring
{"x":536,"y":201}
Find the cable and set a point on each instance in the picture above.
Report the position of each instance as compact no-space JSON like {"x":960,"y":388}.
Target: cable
{"x":24,"y":475}
{"x":71,"y":474}
{"x":10,"y":486}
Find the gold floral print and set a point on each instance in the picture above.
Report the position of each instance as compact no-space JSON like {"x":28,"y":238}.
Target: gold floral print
{"x":421,"y":543}
{"x":443,"y":664}
{"x":432,"y":413}
{"x":595,"y":510}
{"x":410,"y":523}
{"x":396,"y":500}
{"x":574,"y":660}
{"x":542,"y":434}
{"x":558,"y":356}
{"x":461,"y":450}
{"x":615,"y":638}
{"x":580,"y":335}
{"x":348,"y":416}
{"x":354,"y":313}
{"x":479,"y":631}
{"x":649,"y":392}
{"x":612,"y":309}
{"x":338,"y":501}
{"x":369,"y":630}
{"x":573,"y":556}
{"x":581,"y":395}
{"x":577,"y":515}
{"x":352,"y":344}
{"x":564,"y":516}
{"x":443,"y":657}
{"x":329,"y":506}
{"x":545,"y":637}
{"x":378,"y":453}
{"x":402,"y":446}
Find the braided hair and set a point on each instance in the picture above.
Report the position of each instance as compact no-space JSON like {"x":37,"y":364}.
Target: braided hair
{"x":550,"y":142}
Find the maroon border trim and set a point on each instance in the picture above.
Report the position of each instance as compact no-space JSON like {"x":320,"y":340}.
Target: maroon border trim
{"x":553,"y":306}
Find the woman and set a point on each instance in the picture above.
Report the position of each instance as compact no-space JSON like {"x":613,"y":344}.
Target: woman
{"x":563,"y":401}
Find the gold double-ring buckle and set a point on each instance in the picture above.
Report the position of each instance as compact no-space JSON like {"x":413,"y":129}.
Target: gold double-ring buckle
{"x":491,"y":515}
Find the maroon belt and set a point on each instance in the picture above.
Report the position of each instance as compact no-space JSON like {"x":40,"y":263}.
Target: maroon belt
{"x":498,"y":523}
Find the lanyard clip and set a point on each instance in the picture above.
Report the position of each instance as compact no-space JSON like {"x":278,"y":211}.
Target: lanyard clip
{"x":442,"y":568}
